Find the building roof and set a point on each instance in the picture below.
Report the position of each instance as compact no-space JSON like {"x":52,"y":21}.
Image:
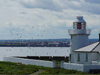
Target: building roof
{"x":95,"y":47}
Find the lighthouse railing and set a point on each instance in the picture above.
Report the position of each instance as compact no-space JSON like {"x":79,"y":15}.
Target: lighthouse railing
{"x":79,"y":31}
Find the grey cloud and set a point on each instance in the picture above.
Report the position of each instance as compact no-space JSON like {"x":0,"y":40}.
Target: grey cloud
{"x":25,"y":15}
{"x":43,"y":4}
{"x":23,"y":12}
{"x":93,"y":1}
{"x":60,"y":5}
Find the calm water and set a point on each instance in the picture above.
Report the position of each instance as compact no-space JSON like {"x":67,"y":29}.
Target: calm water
{"x":33,"y":51}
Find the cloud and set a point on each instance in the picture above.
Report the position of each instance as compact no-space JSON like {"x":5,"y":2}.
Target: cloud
{"x":60,"y":5}
{"x":45,"y":18}
{"x":44,"y":4}
{"x":93,"y":1}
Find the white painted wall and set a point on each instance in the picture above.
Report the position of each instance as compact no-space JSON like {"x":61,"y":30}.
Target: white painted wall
{"x":98,"y":56}
{"x":72,"y":66}
{"x":83,"y":58}
{"x":94,"y":56}
{"x":78,"y":41}
{"x":91,"y":57}
{"x":79,"y":67}
{"x":30,"y":61}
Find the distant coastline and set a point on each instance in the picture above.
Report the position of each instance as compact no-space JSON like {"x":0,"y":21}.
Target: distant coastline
{"x":38,"y":42}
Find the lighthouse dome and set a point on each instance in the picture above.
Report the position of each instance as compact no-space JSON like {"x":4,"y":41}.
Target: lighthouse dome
{"x":79,"y":19}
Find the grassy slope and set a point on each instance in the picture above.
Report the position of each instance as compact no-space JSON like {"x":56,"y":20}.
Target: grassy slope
{"x":17,"y":69}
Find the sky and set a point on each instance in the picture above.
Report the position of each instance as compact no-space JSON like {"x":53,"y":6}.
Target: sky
{"x":46,"y":19}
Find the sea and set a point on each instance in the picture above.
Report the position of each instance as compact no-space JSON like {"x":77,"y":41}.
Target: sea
{"x":36,"y":51}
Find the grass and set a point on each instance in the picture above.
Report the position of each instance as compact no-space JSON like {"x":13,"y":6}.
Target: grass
{"x":61,"y":72}
{"x":19,"y":69}
{"x":9,"y":68}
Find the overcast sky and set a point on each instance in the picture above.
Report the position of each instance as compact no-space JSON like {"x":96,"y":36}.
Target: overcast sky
{"x":46,"y":19}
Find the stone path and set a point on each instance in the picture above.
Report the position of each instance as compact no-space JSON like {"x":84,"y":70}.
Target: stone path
{"x":38,"y":72}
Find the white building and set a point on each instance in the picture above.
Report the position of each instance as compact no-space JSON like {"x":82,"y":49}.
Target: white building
{"x":79,"y":36}
{"x":81,"y":51}
{"x":89,"y":54}
{"x":86,"y":59}
{"x":83,"y":57}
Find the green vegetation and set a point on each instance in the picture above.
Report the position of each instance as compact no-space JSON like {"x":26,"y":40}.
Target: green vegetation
{"x":61,"y":72}
{"x":9,"y":68}
{"x":18,"y":68}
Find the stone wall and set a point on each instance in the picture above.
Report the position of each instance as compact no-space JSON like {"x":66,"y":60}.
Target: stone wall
{"x":72,"y":66}
{"x":80,"y":67}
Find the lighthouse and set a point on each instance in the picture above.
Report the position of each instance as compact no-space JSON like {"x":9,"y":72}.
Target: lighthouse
{"x":79,"y":36}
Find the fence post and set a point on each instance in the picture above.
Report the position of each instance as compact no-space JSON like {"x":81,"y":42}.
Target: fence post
{"x":62,"y":63}
{"x":54,"y":64}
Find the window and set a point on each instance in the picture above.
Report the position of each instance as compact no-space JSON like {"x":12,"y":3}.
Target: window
{"x":78,"y":25}
{"x":75,"y":25}
{"x":86,"y":57}
{"x":70,"y":57}
{"x":78,"y":56}
{"x":83,"y":25}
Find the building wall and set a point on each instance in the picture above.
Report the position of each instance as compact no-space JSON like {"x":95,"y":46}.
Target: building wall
{"x":98,"y":57}
{"x":30,"y":61}
{"x":83,"y":59}
{"x":91,"y":57}
{"x":78,"y":41}
{"x":95,"y":56}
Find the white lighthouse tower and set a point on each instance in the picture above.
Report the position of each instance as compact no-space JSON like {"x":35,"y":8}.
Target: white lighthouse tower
{"x":79,"y":36}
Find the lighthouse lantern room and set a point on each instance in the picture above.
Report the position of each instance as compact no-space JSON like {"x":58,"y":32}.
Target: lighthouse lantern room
{"x":79,"y":36}
{"x":79,"y":24}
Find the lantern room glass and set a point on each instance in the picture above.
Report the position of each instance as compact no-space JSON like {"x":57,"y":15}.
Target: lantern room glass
{"x":79,"y":25}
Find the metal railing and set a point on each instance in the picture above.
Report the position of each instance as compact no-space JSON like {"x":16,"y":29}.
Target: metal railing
{"x":79,"y":31}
